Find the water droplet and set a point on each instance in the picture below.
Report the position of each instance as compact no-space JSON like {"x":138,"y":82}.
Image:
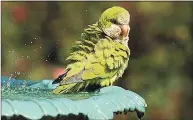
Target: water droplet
{"x":9,"y":80}
{"x":34,"y":49}
{"x":13,"y":51}
{"x":40,"y":47}
{"x":18,"y":73}
{"x":31,"y":42}
{"x":27,"y":56}
{"x":25,"y":44}
{"x":46,"y":60}
{"x":24,"y":84}
{"x":5,"y":32}
{"x":9,"y":51}
{"x":35,"y":38}
{"x":86,"y":10}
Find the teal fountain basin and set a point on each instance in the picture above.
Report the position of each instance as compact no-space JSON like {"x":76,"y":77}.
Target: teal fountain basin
{"x":34,"y":100}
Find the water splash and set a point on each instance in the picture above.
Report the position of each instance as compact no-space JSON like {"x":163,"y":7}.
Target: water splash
{"x":9,"y":81}
{"x":20,"y":90}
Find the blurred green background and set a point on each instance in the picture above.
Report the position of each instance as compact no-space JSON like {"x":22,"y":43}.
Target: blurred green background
{"x":37,"y":37}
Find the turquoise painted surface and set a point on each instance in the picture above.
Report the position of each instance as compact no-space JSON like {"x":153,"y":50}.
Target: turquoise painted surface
{"x":34,"y":100}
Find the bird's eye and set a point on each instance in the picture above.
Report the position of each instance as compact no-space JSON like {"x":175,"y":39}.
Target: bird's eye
{"x":114,"y":21}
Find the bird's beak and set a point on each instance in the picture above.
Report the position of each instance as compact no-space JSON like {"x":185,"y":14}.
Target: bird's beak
{"x":124,"y":30}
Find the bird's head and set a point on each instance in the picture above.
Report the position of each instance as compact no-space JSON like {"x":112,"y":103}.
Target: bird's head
{"x":114,"y":22}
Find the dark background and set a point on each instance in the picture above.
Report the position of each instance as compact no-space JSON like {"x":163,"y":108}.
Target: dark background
{"x":37,"y":37}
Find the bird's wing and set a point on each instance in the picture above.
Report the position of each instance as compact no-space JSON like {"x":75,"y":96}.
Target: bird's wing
{"x":103,"y":63}
{"x":107,"y":60}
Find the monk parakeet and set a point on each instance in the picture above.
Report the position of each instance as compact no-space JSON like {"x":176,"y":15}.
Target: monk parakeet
{"x":100,"y":56}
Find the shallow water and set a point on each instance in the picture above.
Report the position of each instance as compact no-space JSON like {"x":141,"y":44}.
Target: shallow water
{"x":20,"y":90}
{"x":25,"y":93}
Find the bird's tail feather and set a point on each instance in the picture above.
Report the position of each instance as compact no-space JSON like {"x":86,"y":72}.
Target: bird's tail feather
{"x":64,"y":88}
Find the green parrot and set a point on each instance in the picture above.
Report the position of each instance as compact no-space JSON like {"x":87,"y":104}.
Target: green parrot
{"x":100,"y":56}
